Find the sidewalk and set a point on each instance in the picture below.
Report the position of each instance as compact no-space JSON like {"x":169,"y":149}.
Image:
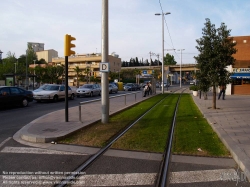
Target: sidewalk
{"x":231,"y":122}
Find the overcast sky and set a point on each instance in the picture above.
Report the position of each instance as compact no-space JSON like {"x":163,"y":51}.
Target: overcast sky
{"x":134,"y":30}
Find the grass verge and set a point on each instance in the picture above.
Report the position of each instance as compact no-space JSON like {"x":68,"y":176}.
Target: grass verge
{"x":98,"y":134}
{"x":193,"y":134}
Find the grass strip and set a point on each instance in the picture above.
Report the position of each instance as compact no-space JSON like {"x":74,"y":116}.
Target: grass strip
{"x":99,"y":134}
{"x":150,"y":133}
{"x":193,"y":134}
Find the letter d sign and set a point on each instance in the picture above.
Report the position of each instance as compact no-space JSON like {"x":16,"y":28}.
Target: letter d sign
{"x":104,"y":67}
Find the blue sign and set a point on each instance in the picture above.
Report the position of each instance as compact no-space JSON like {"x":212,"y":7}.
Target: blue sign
{"x":145,"y":72}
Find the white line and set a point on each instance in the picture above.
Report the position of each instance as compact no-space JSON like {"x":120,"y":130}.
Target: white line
{"x":31,"y":150}
{"x":127,"y":179}
{"x":203,"y":176}
{"x":4,"y":142}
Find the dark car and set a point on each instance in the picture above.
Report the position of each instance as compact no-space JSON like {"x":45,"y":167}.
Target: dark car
{"x":11,"y":95}
{"x":137,"y":86}
{"x":130,"y":86}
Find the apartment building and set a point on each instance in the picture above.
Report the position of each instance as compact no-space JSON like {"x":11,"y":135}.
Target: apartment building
{"x":241,"y":68}
{"x":91,"y":61}
{"x":47,"y":55}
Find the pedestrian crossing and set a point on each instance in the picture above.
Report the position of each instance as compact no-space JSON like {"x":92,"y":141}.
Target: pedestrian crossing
{"x":124,"y":179}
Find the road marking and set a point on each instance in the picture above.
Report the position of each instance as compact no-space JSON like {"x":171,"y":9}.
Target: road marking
{"x":203,"y":176}
{"x":31,"y":150}
{"x":4,"y":142}
{"x":127,"y":179}
{"x":149,"y":178}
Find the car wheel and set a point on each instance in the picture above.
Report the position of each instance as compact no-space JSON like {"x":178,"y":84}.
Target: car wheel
{"x":110,"y":91}
{"x":55,"y":98}
{"x":100,"y":93}
{"x":72,"y":97}
{"x":91,"y":94}
{"x":39,"y":101}
{"x":24,"y":102}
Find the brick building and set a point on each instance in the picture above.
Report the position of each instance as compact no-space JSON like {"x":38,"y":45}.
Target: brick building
{"x":241,"y":68}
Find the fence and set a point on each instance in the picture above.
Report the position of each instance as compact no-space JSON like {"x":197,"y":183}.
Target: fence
{"x":112,"y":97}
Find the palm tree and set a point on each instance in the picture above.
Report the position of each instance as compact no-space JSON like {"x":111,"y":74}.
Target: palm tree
{"x":78,"y":72}
{"x":136,"y":73}
{"x":87,"y":73}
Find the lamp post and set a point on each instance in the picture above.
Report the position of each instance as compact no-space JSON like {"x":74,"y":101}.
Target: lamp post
{"x":162,"y":73}
{"x":1,"y":52}
{"x":180,"y":65}
{"x":34,"y":71}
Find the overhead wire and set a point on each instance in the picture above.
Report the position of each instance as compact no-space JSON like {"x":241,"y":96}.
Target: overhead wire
{"x":167,"y":28}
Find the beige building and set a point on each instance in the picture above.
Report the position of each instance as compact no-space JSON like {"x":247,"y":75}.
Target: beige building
{"x":91,"y":61}
{"x":47,"y":55}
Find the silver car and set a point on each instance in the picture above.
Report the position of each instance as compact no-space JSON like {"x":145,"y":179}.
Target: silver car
{"x":88,"y":90}
{"x":52,"y":92}
{"x":113,"y":88}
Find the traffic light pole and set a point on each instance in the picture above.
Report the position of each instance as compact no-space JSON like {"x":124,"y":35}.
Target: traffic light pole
{"x":67,"y":52}
{"x":66,"y":90}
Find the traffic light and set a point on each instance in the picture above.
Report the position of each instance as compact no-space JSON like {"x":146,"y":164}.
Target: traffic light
{"x":68,"y":45}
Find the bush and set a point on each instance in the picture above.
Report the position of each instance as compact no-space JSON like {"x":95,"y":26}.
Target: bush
{"x":194,"y":88}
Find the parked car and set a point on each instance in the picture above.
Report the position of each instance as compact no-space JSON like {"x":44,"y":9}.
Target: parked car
{"x":40,"y":88}
{"x":165,"y":84}
{"x":52,"y":92}
{"x":113,"y":88}
{"x":130,"y":87}
{"x":115,"y":83}
{"x":88,"y":90}
{"x":137,"y":86}
{"x":10,"y":95}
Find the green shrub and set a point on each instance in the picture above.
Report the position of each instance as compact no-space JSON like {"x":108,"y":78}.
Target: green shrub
{"x":194,"y":88}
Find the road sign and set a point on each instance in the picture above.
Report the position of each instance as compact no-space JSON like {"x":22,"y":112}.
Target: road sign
{"x":104,"y":67}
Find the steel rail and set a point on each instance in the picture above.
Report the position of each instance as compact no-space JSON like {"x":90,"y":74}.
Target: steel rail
{"x":89,"y":161}
{"x":163,"y":179}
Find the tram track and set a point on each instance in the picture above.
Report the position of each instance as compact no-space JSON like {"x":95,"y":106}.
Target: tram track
{"x":163,"y":171}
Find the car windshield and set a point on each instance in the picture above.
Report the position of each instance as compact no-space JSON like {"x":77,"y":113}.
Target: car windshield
{"x":51,"y":87}
{"x":42,"y":87}
{"x":87,"y":86}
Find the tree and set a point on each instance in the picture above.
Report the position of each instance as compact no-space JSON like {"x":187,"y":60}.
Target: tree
{"x":87,"y":73}
{"x":169,"y":60}
{"x":31,"y":55}
{"x":216,"y":48}
{"x":78,"y":72}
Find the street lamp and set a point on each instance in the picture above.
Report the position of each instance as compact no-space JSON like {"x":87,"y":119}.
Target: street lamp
{"x":162,"y":76}
{"x":15,"y":73}
{"x":34,"y":72}
{"x":180,"y":65}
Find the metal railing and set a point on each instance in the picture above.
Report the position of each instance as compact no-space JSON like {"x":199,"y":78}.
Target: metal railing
{"x":95,"y":100}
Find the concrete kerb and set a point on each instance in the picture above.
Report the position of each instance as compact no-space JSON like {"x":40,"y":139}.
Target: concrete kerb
{"x":25,"y":135}
{"x":234,"y":149}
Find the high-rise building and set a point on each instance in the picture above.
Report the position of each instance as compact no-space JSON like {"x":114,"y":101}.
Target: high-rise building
{"x":37,"y":46}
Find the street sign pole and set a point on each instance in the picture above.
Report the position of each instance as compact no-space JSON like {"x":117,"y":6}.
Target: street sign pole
{"x":104,"y":78}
